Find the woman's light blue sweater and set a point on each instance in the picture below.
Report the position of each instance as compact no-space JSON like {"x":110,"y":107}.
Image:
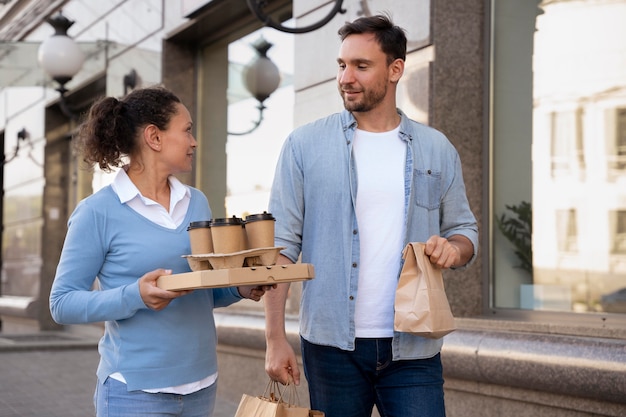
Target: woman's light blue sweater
{"x":151,"y":349}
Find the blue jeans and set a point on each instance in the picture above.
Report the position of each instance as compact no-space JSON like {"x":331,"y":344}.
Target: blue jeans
{"x":349,"y":383}
{"x":112,"y":399}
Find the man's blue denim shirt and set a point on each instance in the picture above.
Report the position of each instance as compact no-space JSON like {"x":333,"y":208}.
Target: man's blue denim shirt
{"x":313,"y":200}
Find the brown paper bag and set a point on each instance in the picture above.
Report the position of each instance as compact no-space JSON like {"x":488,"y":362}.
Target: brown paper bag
{"x":289,"y":410}
{"x":274,"y":403}
{"x":421,"y":305}
{"x":250,"y":406}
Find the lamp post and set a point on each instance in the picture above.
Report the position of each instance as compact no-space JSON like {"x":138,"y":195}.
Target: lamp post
{"x":60,"y":57}
{"x":256,"y":7}
{"x":261,"y":78}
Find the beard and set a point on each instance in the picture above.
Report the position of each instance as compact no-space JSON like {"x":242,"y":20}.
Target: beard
{"x":369,"y":99}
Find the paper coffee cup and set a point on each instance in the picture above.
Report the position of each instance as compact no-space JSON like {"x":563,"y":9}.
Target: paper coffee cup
{"x":260,"y":230}
{"x":200,"y":237}
{"x":227,"y":235}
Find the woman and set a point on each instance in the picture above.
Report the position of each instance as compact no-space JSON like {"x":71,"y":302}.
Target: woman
{"x":158,"y":351}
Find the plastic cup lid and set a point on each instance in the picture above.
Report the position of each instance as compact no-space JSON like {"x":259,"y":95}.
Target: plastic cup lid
{"x":262,"y":216}
{"x":228,"y":221}
{"x":198,"y":225}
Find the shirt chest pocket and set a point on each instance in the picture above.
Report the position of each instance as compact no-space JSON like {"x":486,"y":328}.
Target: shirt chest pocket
{"x":427,"y":188}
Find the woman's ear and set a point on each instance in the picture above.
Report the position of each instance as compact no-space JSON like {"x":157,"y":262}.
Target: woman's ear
{"x":151,"y":137}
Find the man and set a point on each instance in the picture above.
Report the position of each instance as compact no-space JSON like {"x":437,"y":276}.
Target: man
{"x":350,"y":191}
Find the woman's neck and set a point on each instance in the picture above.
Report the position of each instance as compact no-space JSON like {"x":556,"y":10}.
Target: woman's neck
{"x":152,"y":186}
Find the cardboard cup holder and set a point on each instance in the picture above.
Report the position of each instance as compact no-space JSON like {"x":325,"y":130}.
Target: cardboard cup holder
{"x":249,"y":258}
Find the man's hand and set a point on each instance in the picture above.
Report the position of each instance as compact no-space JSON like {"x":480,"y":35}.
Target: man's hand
{"x":280,"y":362}
{"x":449,"y":253}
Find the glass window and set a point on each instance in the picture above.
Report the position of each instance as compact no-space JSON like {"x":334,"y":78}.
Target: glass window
{"x":616,"y":155}
{"x":618,"y":232}
{"x":558,"y":152}
{"x":252,"y":151}
{"x":567,"y":153}
{"x":23,"y":189}
{"x":567,"y":233}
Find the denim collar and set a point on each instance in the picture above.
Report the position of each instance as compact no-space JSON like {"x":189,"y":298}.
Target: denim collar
{"x":348,"y":122}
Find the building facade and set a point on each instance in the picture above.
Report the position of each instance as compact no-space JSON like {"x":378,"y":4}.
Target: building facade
{"x":532,"y":94}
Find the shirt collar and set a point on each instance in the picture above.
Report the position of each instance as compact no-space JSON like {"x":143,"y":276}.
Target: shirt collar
{"x":126,"y":189}
{"x":349,"y":123}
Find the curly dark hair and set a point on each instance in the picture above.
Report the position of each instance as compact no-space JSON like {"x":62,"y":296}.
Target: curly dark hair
{"x":111,"y":129}
{"x":391,"y":38}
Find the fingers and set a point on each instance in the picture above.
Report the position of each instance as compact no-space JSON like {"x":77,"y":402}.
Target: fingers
{"x":154,"y":297}
{"x":281,"y":364}
{"x":253,"y":292}
{"x":256,"y":294}
{"x":441,"y":252}
{"x":295,"y":374}
{"x":286,"y":375}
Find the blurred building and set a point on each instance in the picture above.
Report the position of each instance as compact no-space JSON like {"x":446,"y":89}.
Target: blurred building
{"x":532,"y":94}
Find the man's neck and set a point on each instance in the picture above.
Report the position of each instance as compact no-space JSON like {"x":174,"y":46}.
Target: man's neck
{"x":377,"y":121}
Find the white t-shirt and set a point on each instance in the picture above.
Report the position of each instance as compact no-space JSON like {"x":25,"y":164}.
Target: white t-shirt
{"x":380,"y":161}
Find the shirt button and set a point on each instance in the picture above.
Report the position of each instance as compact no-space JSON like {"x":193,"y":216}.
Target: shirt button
{"x":351,"y":298}
{"x":354,"y":265}
{"x":354,"y":232}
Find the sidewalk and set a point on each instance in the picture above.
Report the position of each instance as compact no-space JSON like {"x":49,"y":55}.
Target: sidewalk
{"x":52,"y":374}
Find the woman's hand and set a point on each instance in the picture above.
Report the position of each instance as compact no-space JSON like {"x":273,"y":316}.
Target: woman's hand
{"x":154,"y":297}
{"x":254,"y":292}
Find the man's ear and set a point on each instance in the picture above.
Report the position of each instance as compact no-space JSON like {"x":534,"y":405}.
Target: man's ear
{"x":396,"y":69}
{"x":151,"y":137}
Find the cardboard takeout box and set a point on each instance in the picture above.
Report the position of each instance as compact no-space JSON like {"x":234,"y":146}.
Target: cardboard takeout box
{"x":233,"y":277}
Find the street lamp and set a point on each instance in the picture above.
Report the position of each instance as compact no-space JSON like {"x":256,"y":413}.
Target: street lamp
{"x":256,"y":7}
{"x":60,"y":57}
{"x":261,"y":78}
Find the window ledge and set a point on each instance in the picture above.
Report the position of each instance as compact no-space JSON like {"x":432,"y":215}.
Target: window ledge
{"x":565,"y":358}
{"x":609,"y":326}
{"x":538,"y":356}
{"x":18,"y":306}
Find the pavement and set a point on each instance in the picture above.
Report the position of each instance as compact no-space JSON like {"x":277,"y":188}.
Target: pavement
{"x":52,"y":374}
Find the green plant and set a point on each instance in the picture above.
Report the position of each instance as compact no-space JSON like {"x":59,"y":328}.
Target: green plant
{"x":518,"y":230}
